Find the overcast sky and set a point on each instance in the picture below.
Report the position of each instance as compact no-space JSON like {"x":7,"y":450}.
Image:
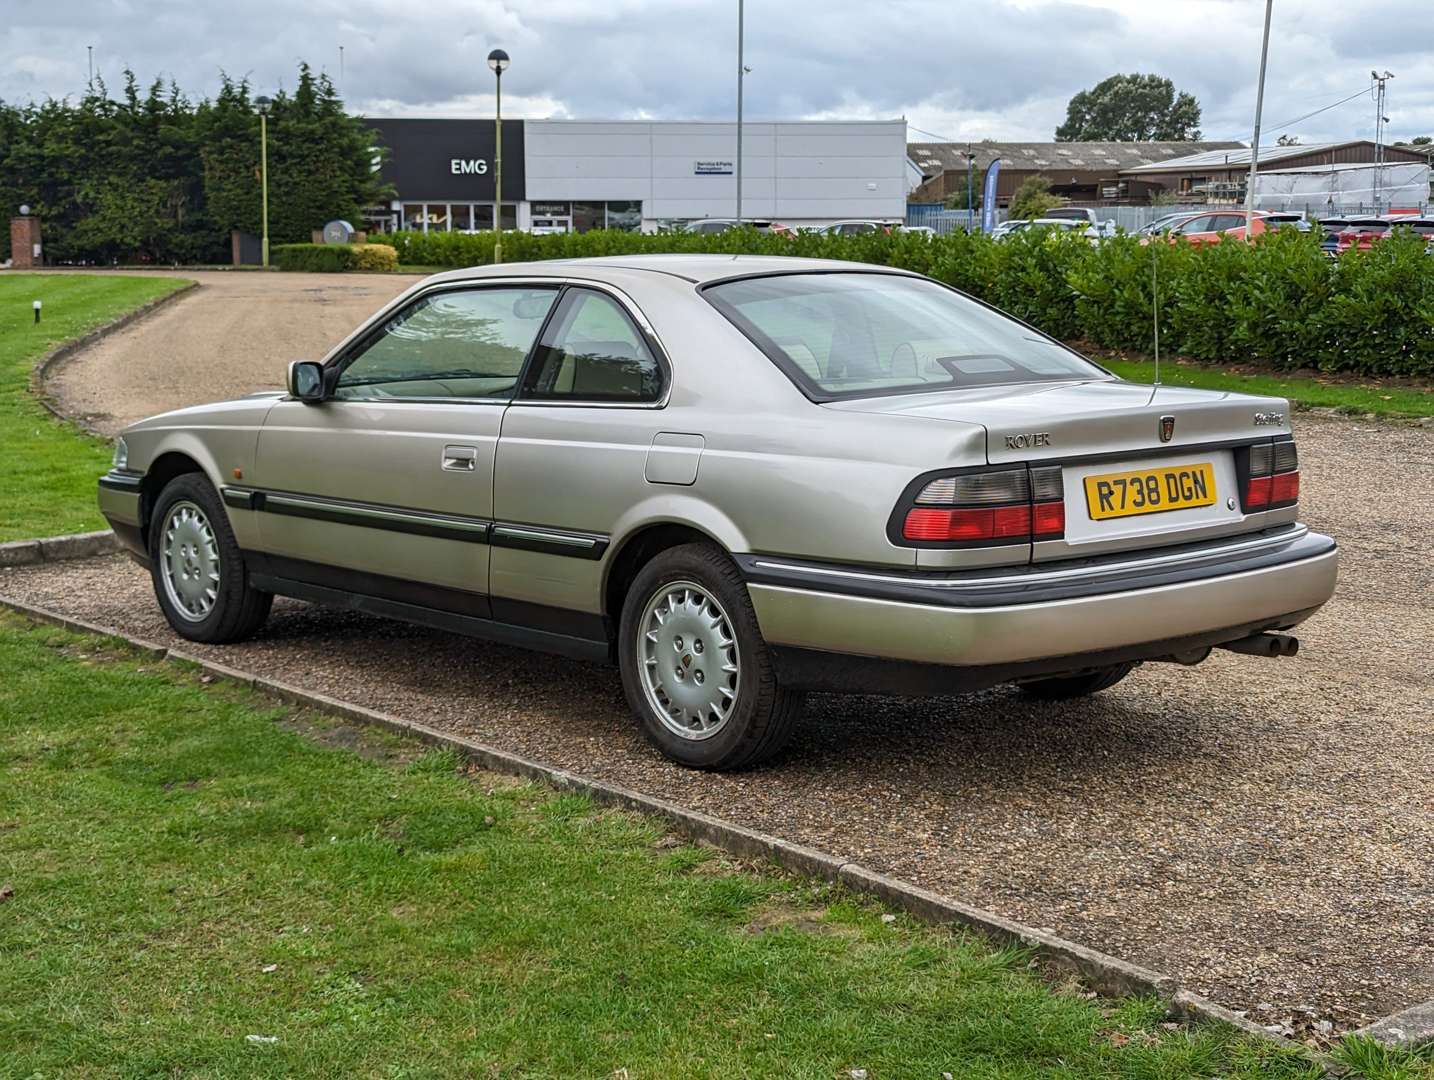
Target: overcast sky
{"x":999,"y":69}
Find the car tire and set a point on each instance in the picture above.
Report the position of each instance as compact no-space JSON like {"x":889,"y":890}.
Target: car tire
{"x":200,"y":578}
{"x":694,"y":666}
{"x":1064,"y":687}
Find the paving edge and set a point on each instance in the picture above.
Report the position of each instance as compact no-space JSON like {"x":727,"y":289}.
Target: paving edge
{"x":1109,"y":975}
{"x":55,"y":357}
{"x":49,"y":549}
{"x":1407,"y":1029}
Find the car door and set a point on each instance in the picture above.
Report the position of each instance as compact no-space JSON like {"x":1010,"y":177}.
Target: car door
{"x":385,"y":488}
{"x":573,"y":457}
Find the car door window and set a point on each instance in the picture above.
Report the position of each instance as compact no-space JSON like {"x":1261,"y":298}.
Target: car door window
{"x":1226,"y":222}
{"x":593,"y":352}
{"x":1196,"y":225}
{"x":468,"y":343}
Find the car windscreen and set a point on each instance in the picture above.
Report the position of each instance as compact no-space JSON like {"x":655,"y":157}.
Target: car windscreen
{"x":841,"y":335}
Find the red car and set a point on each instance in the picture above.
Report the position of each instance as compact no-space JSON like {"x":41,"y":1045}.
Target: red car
{"x":1363,"y":232}
{"x":1210,"y":228}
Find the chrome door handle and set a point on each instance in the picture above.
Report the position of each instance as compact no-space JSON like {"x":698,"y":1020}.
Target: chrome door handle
{"x":460,"y":458}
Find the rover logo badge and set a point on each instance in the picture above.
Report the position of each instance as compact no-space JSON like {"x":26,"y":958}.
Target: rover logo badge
{"x":1167,"y":428}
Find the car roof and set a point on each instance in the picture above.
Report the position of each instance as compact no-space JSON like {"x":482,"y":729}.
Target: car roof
{"x":698,"y":269}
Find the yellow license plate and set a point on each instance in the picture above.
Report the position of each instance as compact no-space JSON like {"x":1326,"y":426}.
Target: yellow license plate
{"x":1150,"y":491}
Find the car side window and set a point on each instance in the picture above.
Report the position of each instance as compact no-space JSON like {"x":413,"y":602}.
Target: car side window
{"x":468,"y":343}
{"x":593,"y":351}
{"x":1196,"y":225}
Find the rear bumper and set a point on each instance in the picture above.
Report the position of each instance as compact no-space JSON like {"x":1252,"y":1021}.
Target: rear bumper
{"x":1052,"y":619}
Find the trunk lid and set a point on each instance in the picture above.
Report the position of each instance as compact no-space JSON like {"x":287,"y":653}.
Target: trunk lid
{"x":1109,"y":428}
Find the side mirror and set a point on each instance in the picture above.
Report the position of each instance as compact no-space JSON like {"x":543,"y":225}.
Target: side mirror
{"x":306,"y":381}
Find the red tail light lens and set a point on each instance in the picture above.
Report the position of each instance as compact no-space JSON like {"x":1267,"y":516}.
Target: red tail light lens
{"x":1257,"y":495}
{"x":984,"y":507}
{"x":1048,"y":520}
{"x":1273,"y":479}
{"x":1284,"y":489}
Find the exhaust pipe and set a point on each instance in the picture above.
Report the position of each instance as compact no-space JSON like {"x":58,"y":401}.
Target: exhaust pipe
{"x":1265,"y":645}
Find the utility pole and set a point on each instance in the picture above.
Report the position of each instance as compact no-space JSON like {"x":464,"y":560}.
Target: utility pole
{"x":1255,"y":146}
{"x":341,"y":69}
{"x":1379,"y":121}
{"x":970,"y":179}
{"x":741,"y":71}
{"x":90,"y":49}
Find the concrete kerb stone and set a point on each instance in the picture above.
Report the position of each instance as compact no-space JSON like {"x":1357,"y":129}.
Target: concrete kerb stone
{"x":51,"y":360}
{"x":1413,"y":1027}
{"x":1106,"y":974}
{"x":58,"y":548}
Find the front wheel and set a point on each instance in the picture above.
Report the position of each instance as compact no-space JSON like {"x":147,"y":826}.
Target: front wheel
{"x":199,"y":575}
{"x":694,"y":666}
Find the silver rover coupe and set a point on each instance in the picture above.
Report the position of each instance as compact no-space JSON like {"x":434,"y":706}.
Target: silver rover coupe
{"x":737,"y":479}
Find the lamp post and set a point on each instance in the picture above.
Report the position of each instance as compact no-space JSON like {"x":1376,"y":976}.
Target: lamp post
{"x":1255,"y":143}
{"x":264,"y":104}
{"x":498,"y":61}
{"x":970,"y":179}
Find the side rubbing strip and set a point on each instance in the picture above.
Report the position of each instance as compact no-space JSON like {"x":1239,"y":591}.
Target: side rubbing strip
{"x":414,"y":522}
{"x":418,"y":522}
{"x":550,"y":542}
{"x":240,"y":498}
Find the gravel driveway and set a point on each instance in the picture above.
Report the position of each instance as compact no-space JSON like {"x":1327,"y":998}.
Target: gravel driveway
{"x":1260,"y":829}
{"x":234,"y":334}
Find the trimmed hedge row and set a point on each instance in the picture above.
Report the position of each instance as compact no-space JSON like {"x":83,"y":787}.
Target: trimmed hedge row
{"x":1280,"y":301}
{"x":331,"y":258}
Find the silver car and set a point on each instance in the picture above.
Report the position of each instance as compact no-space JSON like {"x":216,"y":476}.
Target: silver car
{"x":737,"y":479}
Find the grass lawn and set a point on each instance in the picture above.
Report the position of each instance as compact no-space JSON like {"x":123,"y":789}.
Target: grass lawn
{"x":192,"y":866}
{"x":1347,"y":395}
{"x":48,"y":484}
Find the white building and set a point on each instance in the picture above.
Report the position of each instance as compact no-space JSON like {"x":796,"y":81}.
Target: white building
{"x":575,"y":175}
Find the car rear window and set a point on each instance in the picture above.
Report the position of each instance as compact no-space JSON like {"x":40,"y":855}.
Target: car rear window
{"x":840,"y":335}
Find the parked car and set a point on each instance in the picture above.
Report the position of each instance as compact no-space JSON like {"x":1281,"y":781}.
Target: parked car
{"x":1275,"y":219}
{"x":1093,"y":233}
{"x":1212,"y":228}
{"x":920,"y":230}
{"x":721,"y":225}
{"x":855,"y":228}
{"x":737,"y":479}
{"x":1330,"y":228}
{"x":1101,"y":227}
{"x":1005,"y":228}
{"x":1364,"y":232}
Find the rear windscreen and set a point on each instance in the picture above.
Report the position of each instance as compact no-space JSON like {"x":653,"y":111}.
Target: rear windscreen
{"x":860,"y":334}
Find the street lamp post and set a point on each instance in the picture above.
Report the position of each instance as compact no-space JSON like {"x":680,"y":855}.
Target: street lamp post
{"x":264,"y":104}
{"x":1255,"y":144}
{"x":498,"y":61}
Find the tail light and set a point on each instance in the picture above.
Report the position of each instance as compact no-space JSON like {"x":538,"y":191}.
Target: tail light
{"x":982,"y":508}
{"x":1272,"y":476}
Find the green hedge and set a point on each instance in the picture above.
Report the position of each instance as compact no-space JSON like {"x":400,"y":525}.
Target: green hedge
{"x":332,"y":258}
{"x":1280,"y":302}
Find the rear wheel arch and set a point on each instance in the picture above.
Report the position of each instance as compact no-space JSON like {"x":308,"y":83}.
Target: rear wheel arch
{"x":636,"y":551}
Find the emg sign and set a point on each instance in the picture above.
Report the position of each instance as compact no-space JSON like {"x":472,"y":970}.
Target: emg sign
{"x":468,"y":166}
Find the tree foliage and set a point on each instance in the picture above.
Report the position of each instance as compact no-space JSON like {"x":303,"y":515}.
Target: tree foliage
{"x":149,"y":176}
{"x":1131,"y":108}
{"x":1033,"y":198}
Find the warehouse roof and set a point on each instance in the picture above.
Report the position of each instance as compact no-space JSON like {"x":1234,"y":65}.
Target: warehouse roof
{"x":933,"y":158}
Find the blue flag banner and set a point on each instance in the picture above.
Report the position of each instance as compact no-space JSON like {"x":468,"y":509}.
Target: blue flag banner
{"x":988,"y":196}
